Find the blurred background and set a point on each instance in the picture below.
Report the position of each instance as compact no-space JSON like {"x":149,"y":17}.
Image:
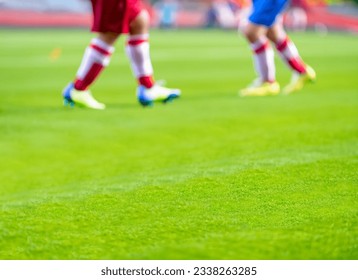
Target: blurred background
{"x":213,"y":176}
{"x":320,"y":15}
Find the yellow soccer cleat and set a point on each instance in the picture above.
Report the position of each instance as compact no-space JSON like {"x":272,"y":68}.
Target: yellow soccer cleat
{"x":83,"y":98}
{"x":298,"y":81}
{"x":259,"y":88}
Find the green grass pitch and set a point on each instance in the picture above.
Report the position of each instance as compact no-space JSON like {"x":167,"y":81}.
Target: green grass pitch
{"x":210,"y":176}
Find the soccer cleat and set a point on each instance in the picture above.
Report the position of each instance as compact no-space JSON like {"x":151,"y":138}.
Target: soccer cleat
{"x":157,"y":93}
{"x":299,"y":80}
{"x":259,"y":88}
{"x":84,"y":98}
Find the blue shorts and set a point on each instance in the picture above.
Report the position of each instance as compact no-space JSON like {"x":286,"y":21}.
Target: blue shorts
{"x":264,"y":12}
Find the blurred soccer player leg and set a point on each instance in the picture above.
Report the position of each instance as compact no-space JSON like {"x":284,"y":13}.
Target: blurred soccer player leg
{"x":302,"y":73}
{"x":138,"y":51}
{"x":96,"y":58}
{"x":264,"y":63}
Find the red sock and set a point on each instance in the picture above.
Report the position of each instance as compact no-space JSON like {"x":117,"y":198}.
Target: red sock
{"x":264,"y":60}
{"x":89,"y":78}
{"x":146,"y":81}
{"x":95,"y":59}
{"x":138,"y":52}
{"x":290,"y":55}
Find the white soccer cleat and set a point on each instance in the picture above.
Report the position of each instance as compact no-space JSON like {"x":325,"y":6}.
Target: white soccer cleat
{"x":157,"y":93}
{"x":83,"y":98}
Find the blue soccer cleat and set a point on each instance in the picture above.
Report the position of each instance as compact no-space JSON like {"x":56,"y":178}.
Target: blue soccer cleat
{"x":157,"y":93}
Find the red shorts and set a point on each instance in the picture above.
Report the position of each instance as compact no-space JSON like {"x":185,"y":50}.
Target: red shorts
{"x":114,"y":15}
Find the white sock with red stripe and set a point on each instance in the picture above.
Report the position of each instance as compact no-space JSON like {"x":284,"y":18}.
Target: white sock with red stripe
{"x":264,"y":60}
{"x":96,"y":57}
{"x":290,"y":55}
{"x":139,"y":55}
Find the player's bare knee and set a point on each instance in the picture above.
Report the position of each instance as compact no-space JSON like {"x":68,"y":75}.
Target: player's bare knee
{"x":276,"y":33}
{"x":250,"y":34}
{"x":254,"y":32}
{"x":108,"y":37}
{"x":140,"y":24}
